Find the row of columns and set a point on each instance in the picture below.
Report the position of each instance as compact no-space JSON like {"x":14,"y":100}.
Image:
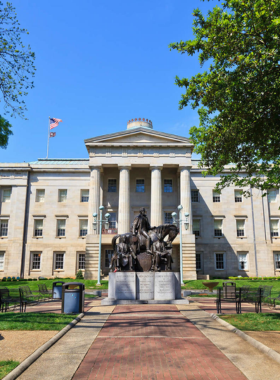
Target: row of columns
{"x":124,"y":196}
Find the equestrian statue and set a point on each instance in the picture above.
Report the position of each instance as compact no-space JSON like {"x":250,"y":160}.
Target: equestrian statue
{"x":145,"y":248}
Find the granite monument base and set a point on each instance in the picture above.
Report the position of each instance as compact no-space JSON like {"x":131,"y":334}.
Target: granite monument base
{"x":126,"y":288}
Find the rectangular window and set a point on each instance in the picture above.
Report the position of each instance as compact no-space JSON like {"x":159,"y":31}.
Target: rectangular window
{"x":274,"y":227}
{"x":167,"y":186}
{"x":4,"y":227}
{"x":82,"y":261}
{"x":240,"y":227}
{"x":62,"y":195}
{"x":38,"y":227}
{"x":196,"y":227}
{"x":277,"y":260}
{"x":216,"y":197}
{"x":6,"y":195}
{"x":220,"y":262}
{"x":83,"y":227}
{"x":40,"y":195}
{"x":112,"y":185}
{"x":168,"y":218}
{"x":238,"y":196}
{"x":2,"y":259}
{"x":198,"y":261}
{"x":108,"y":256}
{"x":242,"y":261}
{"x":140,"y":186}
{"x":113,"y":220}
{"x":61,"y":223}
{"x":59,"y":261}
{"x":36,"y":260}
{"x":194,"y":195}
{"x":272,"y":195}
{"x":84,"y":195}
{"x":218,"y":227}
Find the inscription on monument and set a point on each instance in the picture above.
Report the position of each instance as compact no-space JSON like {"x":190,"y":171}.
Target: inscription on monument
{"x":164,"y":286}
{"x":145,"y":286}
{"x":125,"y":285}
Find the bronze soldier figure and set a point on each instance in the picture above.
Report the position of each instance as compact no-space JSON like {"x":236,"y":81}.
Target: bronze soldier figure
{"x":141,"y":227}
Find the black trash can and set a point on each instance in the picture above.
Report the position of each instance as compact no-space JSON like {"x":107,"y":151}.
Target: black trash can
{"x":73,"y":295}
{"x":57,"y":289}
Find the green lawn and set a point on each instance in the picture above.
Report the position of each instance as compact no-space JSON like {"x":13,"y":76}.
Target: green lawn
{"x":6,"y":367}
{"x":34,"y":321}
{"x":254,"y":322}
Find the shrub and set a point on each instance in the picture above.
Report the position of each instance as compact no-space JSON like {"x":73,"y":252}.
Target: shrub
{"x":9,"y":279}
{"x":18,"y":278}
{"x":4,"y":279}
{"x":29,"y":279}
{"x":79,"y":275}
{"x":13,"y":278}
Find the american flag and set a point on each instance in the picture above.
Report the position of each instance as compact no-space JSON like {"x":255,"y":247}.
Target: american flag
{"x":54,"y":122}
{"x":52,"y":134}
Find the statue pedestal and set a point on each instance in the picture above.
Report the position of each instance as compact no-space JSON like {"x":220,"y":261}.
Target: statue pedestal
{"x":144,"y":287}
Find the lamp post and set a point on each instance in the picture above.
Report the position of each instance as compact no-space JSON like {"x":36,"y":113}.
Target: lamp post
{"x":186,"y":223}
{"x":95,"y":222}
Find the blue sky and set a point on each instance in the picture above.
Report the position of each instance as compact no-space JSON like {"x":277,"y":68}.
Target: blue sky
{"x":99,"y":64}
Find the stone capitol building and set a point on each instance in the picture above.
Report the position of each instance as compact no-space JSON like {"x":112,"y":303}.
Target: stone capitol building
{"x":47,"y":206}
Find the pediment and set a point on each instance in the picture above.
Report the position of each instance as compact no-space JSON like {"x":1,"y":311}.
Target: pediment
{"x":138,"y":137}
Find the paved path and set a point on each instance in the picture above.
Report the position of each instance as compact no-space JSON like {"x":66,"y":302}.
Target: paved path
{"x":154,"y":342}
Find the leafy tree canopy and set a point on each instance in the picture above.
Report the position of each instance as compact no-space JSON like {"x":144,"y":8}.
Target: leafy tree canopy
{"x":238,"y":96}
{"x":5,"y":132}
{"x":16,"y":62}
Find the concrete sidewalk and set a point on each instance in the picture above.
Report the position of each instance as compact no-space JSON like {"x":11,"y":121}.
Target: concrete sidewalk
{"x":254,"y":364}
{"x":61,"y":361}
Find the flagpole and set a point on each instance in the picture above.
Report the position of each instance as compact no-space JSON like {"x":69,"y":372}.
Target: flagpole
{"x":48,"y":138}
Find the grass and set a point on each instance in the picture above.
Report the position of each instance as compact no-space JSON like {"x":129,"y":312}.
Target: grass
{"x":89,"y":284}
{"x":6,"y":367}
{"x":254,"y":322}
{"x":34,"y":321}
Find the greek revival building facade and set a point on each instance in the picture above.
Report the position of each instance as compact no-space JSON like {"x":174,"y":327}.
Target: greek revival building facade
{"x":47,"y":207}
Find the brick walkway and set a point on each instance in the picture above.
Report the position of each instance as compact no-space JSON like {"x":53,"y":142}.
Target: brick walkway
{"x":154,"y":342}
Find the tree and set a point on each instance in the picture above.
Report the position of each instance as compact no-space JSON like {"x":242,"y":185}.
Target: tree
{"x":5,"y":132}
{"x":238,"y":96}
{"x":16,"y":62}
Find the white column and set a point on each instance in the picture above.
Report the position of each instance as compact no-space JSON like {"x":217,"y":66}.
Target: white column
{"x":124,"y":200}
{"x":185,"y":192}
{"x":94,"y":195}
{"x":156,"y":196}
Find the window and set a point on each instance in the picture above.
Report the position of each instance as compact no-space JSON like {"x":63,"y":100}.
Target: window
{"x":59,"y":261}
{"x":242,"y":261}
{"x":218,"y":227}
{"x":198,"y":261}
{"x":272,"y":195}
{"x":81,"y":261}
{"x":61,"y":223}
{"x":38,"y":227}
{"x":277,"y":260}
{"x":216,"y":197}
{"x":196,"y":227}
{"x":2,"y":259}
{"x":113,"y":220}
{"x":4,"y":227}
{"x":84,"y":195}
{"x":83,"y":227}
{"x":238,"y":195}
{"x":240,"y":227}
{"x":40,"y":195}
{"x":112,"y":185}
{"x":36,"y":260}
{"x":274,"y":227}
{"x":62,"y":195}
{"x":194,"y":195}
{"x":140,"y":186}
{"x":6,"y":195}
{"x":168,"y":218}
{"x":167,"y":186}
{"x":220,"y":262}
{"x":108,"y":256}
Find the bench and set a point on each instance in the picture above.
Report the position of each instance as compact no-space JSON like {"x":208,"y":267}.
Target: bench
{"x":8,"y":298}
{"x":28,"y":297}
{"x":47,"y":294}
